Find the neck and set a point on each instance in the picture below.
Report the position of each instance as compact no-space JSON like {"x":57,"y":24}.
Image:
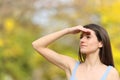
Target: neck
{"x":92,"y":60}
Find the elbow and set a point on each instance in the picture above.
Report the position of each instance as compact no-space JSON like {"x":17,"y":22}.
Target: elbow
{"x":37,"y":45}
{"x":34,"y":45}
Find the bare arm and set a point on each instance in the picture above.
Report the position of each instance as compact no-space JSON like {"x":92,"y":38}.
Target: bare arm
{"x":62,"y":61}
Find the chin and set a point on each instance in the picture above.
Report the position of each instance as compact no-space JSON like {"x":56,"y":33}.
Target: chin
{"x":84,"y":51}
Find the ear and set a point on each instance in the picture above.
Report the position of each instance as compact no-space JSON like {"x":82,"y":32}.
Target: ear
{"x":100,"y":44}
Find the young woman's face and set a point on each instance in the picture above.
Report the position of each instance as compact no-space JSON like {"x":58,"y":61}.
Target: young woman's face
{"x":89,"y":43}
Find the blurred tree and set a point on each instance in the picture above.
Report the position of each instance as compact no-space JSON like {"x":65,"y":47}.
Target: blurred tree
{"x":22,"y":21}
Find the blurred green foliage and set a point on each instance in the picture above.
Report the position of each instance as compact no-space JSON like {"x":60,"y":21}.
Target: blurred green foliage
{"x":19,"y":61}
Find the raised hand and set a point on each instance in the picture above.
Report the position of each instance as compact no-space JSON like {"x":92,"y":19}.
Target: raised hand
{"x":78,"y":29}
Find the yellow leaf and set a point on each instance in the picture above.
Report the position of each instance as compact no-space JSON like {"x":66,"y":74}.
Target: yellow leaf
{"x":111,"y":13}
{"x":1,"y":43}
{"x":14,"y":51}
{"x":9,"y":24}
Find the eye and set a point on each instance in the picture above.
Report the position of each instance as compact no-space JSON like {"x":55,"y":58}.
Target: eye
{"x":88,"y":36}
{"x":81,"y":37}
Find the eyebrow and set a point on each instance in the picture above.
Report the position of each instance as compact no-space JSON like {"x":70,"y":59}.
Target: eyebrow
{"x":85,"y":34}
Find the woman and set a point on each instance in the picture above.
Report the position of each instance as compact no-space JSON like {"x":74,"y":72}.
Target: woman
{"x":95,"y":55}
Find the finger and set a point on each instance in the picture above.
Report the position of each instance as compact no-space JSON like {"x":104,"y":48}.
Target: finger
{"x":86,"y":30}
{"x":82,"y":29}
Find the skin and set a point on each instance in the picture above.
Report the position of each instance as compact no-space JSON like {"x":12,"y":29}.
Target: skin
{"x":92,"y":64}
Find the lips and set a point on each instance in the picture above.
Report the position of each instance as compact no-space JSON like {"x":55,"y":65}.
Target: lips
{"x":82,"y":45}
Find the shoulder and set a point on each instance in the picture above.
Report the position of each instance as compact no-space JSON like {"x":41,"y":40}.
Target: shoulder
{"x":114,"y":71}
{"x":73,"y":64}
{"x":113,"y":75}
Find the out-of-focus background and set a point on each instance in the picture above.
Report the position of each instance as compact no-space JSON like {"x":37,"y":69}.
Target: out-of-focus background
{"x":23,"y":21}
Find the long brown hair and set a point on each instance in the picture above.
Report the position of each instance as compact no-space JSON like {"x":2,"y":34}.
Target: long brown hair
{"x":105,"y":53}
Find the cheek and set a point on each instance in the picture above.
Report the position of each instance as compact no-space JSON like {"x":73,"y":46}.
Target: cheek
{"x":93,"y":47}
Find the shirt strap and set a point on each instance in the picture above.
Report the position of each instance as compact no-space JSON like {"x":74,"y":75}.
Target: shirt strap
{"x":106,"y":73}
{"x":74,"y":70}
